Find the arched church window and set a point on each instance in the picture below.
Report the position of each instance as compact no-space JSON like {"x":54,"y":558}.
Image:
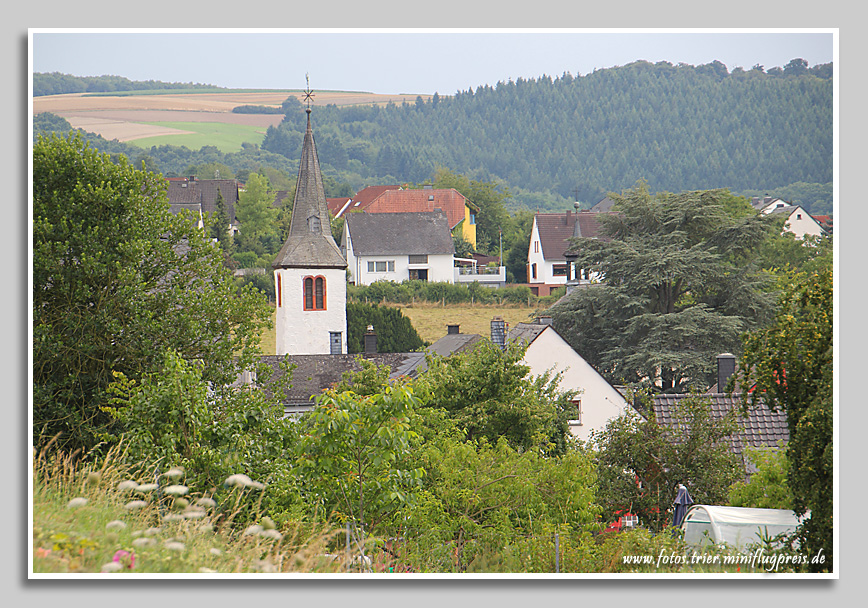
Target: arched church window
{"x":314,"y":293}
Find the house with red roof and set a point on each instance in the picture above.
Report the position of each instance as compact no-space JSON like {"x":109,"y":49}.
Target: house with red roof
{"x":550,"y":236}
{"x":459,"y":210}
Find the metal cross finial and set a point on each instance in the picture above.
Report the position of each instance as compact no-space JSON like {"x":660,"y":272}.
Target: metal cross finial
{"x":308,"y":94}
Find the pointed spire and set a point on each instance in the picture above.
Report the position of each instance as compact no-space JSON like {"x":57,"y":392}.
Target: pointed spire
{"x":310,"y":243}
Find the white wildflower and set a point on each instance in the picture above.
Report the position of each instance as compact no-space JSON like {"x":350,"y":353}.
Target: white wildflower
{"x":206,"y":527}
{"x":115,"y":524}
{"x":194,"y":514}
{"x":174,"y":473}
{"x":216,"y":551}
{"x":144,"y":542}
{"x":153,"y":531}
{"x":176,"y":490}
{"x":272,"y":534}
{"x":147,"y":487}
{"x":207,"y":503}
{"x":205,"y":570}
{"x":128,"y":484}
{"x":76,"y":502}
{"x":111,"y":567}
{"x":243,"y":481}
{"x":252,"y":530}
{"x":173,"y":517}
{"x":174,"y":545}
{"x":136,"y":504}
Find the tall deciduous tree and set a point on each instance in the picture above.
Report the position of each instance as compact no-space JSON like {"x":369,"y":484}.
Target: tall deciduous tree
{"x":679,"y":286}
{"x":490,"y":394}
{"x":789,"y":365}
{"x":117,"y":280}
{"x":256,"y":213}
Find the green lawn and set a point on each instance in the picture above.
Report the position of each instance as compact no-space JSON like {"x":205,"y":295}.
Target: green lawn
{"x":226,"y":137}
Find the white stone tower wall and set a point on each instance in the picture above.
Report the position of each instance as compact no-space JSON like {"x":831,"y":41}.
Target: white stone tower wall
{"x":307,"y":332}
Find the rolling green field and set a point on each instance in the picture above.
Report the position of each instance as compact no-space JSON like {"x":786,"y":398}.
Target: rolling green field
{"x":226,"y":137}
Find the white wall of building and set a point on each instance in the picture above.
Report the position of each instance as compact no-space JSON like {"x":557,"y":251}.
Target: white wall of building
{"x":307,"y":332}
{"x":393,"y":267}
{"x":600,"y":401}
{"x":544,"y":268}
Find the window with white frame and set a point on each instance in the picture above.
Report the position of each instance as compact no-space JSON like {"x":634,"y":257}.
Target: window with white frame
{"x":418,"y":259}
{"x":382,"y":266}
{"x":576,"y":414}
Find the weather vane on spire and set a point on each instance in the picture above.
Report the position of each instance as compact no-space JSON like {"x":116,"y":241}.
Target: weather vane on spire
{"x":308,"y":94}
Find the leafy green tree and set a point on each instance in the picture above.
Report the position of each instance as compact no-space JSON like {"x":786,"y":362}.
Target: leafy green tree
{"x":220,"y":223}
{"x":256,"y":214}
{"x":641,"y":463}
{"x":489,"y":197}
{"x":680,"y":284}
{"x":489,"y":393}
{"x":767,"y":487}
{"x":789,"y":366}
{"x":117,"y":280}
{"x":350,"y":452}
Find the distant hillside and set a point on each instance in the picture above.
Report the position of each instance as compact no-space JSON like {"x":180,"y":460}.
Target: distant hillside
{"x":554,"y":140}
{"x":678,"y":127}
{"x":55,"y":83}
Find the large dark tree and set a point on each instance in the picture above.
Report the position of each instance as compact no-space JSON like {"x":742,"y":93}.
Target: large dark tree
{"x":117,"y":280}
{"x":678,"y":286}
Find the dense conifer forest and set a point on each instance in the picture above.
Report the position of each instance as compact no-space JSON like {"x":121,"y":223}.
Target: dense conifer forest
{"x":552,"y":141}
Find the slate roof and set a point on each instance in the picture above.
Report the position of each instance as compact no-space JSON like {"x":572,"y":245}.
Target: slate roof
{"x":400,"y":234}
{"x":555,"y":229}
{"x":310,"y":243}
{"x":526,"y":332}
{"x":604,"y":206}
{"x":316,"y":373}
{"x":454,"y":343}
{"x":204,"y":192}
{"x":761,"y":427}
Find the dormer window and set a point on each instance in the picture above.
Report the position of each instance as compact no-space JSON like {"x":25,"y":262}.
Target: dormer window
{"x":314,"y":224}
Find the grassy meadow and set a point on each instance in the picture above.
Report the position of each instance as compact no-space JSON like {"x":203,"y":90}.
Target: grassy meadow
{"x":430,"y":320}
{"x":108,"y":518}
{"x":226,"y":137}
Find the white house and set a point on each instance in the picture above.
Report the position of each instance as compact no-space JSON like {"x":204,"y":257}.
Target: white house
{"x":598,"y":401}
{"x":549,"y":240}
{"x":398,"y":247}
{"x":798,"y":221}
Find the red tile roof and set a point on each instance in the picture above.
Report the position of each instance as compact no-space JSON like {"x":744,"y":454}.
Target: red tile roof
{"x":336,"y":205}
{"x":450,"y":201}
{"x":555,"y":230}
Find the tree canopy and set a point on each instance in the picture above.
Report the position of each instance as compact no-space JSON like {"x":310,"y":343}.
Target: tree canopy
{"x":117,"y":280}
{"x":679,"y":284}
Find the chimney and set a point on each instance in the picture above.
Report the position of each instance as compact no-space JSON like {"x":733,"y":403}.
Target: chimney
{"x":498,"y":332}
{"x":370,"y":341}
{"x":544,"y":320}
{"x":725,"y":369}
{"x":452,"y":329}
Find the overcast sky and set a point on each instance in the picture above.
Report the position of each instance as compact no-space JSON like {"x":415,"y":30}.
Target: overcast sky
{"x":402,"y":61}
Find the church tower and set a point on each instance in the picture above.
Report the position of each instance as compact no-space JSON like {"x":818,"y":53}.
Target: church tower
{"x":310,"y":272}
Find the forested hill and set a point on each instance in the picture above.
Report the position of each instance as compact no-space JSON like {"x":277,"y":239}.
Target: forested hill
{"x":679,"y":127}
{"x":55,"y":83}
